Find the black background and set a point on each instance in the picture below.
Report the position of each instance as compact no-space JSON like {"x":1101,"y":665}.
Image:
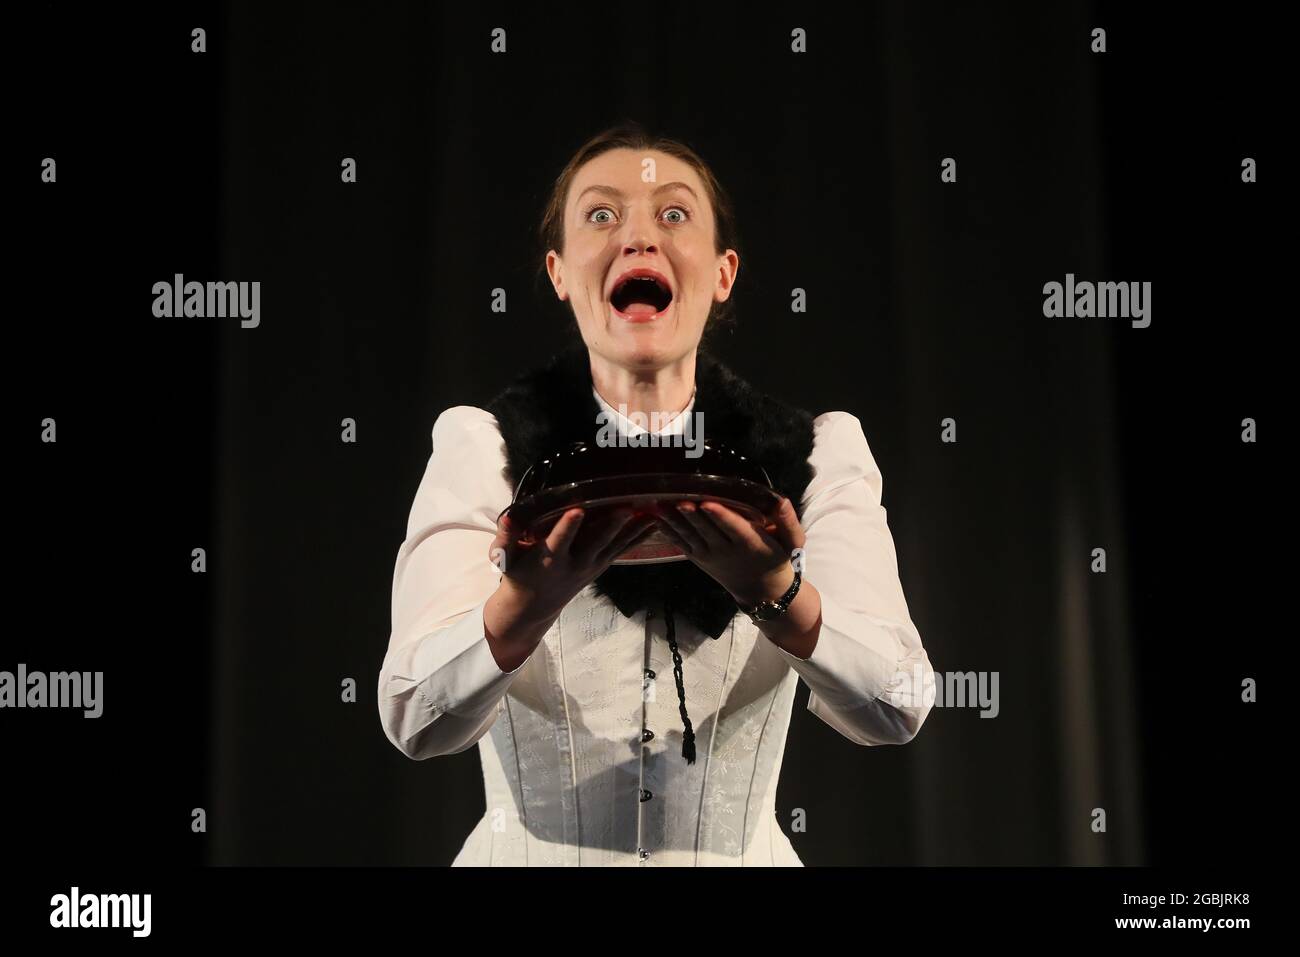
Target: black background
{"x":222,"y":689}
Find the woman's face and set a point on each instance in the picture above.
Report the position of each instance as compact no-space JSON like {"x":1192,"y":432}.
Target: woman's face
{"x":626,"y":213}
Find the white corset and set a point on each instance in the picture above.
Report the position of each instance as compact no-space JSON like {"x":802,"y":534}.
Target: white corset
{"x":567,"y":778}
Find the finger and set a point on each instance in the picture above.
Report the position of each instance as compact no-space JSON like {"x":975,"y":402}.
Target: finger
{"x":733,"y":525}
{"x":511,"y":531}
{"x":632,"y":533}
{"x":788,"y":530}
{"x":769,"y":538}
{"x":562,"y":535}
{"x":772,"y":543}
{"x":671,"y":518}
{"x":708,"y":532}
{"x":505,"y":543}
{"x":608,"y":545}
{"x":599,"y":536}
{"x":506,"y":531}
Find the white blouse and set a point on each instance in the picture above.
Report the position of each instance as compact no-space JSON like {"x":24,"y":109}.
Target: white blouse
{"x":581,"y":744}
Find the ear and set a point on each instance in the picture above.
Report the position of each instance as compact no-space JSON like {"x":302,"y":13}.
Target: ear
{"x":555,"y":269}
{"x":728,"y":268}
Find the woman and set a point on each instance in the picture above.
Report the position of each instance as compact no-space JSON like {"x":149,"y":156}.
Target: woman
{"x":552,"y":659}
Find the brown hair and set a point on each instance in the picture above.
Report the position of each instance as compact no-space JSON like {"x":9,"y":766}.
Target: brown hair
{"x":630,"y":134}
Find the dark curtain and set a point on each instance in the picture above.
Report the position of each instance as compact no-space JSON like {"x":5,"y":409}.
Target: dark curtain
{"x":925,"y":303}
{"x":1118,"y":691}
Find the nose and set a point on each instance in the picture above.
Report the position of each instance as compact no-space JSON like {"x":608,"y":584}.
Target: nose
{"x":639,"y":233}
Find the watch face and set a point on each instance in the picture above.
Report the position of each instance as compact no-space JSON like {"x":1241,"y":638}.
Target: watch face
{"x":770,"y":609}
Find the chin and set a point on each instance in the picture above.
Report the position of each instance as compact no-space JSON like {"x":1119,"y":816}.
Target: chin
{"x":645,"y":345}
{"x":644,"y":354}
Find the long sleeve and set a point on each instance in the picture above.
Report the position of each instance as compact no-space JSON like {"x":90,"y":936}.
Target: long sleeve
{"x":440,"y":687}
{"x":869,"y":677}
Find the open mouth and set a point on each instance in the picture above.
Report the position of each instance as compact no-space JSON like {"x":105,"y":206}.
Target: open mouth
{"x":641,"y":295}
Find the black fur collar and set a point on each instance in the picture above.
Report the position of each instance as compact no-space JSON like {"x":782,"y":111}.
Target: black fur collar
{"x":545,"y":409}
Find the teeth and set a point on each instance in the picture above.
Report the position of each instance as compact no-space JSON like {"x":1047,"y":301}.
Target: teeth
{"x":629,"y":282}
{"x":622,"y":297}
{"x":651,"y":279}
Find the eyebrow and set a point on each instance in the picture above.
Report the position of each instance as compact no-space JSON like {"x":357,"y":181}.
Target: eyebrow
{"x":617,"y":194}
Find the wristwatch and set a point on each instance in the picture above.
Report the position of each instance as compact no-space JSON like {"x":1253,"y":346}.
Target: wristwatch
{"x":769,"y":609}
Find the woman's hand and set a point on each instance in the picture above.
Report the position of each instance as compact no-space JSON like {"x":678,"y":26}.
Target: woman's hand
{"x":545,"y":575}
{"x":753,"y":564}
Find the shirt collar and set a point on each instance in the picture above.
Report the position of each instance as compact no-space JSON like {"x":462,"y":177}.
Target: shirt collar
{"x":627,"y":427}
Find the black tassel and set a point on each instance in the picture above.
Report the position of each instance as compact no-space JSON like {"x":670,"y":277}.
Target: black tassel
{"x":688,"y":734}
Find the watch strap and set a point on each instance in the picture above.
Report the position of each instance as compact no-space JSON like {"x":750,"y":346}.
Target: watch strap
{"x":770,"y":609}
